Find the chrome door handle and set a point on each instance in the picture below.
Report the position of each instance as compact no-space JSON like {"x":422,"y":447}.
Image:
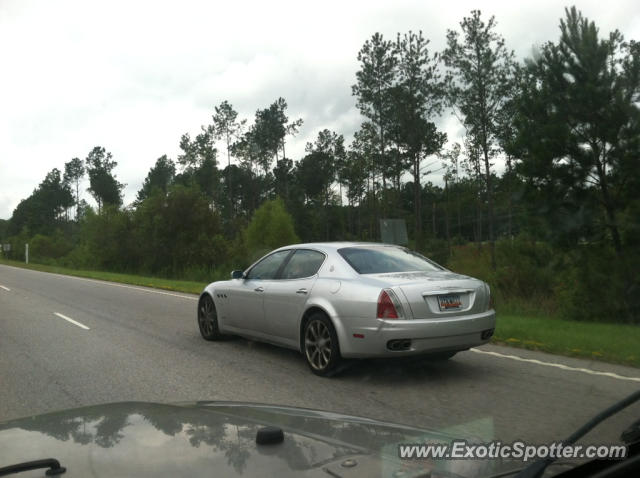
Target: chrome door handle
{"x":259,"y":289}
{"x":301,"y":291}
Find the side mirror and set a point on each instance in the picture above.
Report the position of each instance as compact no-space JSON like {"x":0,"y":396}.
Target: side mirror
{"x":237,"y":274}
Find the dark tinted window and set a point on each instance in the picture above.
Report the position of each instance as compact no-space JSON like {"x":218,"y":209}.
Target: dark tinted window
{"x":379,"y":260}
{"x":304,"y":263}
{"x":268,"y":267}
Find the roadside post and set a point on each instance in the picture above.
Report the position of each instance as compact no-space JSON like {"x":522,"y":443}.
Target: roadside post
{"x":26,"y":253}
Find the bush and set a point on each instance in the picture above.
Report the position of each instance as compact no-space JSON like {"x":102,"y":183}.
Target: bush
{"x":271,"y":227}
{"x":49,"y":247}
{"x":178,"y":234}
{"x":435,"y":249}
{"x":108,"y":238}
{"x":594,"y":284}
{"x":524,"y":279}
{"x":79,"y":258}
{"x":17,"y":243}
{"x":526,"y":271}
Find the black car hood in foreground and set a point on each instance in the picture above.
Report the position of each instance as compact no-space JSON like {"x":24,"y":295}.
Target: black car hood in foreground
{"x":134,"y":439}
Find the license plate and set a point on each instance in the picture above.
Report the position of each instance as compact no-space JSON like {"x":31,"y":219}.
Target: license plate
{"x":449,"y":302}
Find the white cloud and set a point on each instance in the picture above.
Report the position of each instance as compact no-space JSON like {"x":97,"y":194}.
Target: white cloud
{"x":134,"y":76}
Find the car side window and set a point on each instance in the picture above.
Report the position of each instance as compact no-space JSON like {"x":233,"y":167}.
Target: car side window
{"x":268,"y":267}
{"x":304,"y":263}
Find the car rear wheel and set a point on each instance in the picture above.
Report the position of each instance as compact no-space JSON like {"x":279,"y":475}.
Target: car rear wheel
{"x":208,"y":319}
{"x":320,"y":345}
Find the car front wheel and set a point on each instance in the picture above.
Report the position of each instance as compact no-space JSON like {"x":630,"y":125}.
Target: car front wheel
{"x":208,"y":319}
{"x":320,"y":345}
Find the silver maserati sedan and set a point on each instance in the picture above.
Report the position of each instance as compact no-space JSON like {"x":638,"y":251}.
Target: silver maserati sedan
{"x":349,"y":300}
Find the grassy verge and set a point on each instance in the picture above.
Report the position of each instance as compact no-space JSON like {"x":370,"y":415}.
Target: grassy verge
{"x":167,"y":284}
{"x":617,"y":343}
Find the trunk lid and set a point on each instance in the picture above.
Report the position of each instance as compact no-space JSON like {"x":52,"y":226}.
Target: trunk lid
{"x":438,"y":294}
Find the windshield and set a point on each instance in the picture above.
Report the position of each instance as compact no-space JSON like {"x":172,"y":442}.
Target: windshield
{"x":379,"y":260}
{"x":425,"y":213}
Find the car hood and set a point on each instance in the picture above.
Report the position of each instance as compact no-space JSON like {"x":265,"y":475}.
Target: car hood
{"x":219,"y":439}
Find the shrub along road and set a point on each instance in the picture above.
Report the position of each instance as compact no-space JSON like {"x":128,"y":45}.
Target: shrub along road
{"x":67,"y":342}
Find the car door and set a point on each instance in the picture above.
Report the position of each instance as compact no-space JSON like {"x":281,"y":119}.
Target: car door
{"x":284,"y":301}
{"x":247,"y":299}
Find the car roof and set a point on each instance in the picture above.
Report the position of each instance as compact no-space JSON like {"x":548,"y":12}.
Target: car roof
{"x":336,"y":245}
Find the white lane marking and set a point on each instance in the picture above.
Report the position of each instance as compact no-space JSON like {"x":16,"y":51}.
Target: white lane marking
{"x":68,"y":319}
{"x":5,"y":288}
{"x":558,"y":365}
{"x":113,"y":284}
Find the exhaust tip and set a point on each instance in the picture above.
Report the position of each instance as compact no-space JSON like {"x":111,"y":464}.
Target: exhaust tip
{"x":486,"y":334}
{"x":398,"y":345}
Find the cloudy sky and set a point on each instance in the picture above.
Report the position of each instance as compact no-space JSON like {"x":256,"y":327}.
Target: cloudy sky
{"x":134,"y":76}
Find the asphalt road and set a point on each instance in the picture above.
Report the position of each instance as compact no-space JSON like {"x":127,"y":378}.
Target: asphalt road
{"x":144,"y":344}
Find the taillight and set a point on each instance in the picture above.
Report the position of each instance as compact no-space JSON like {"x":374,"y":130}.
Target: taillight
{"x":388,"y":305}
{"x":490,"y":302}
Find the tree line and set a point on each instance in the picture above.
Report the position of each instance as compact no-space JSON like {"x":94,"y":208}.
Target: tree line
{"x":564,"y":122}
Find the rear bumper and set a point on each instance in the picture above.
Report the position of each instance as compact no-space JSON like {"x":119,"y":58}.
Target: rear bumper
{"x":364,"y":338}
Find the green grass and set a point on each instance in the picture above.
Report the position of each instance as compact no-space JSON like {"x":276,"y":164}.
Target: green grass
{"x":159,"y":283}
{"x":617,"y":343}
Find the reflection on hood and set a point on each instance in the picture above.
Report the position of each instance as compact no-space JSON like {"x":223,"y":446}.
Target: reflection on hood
{"x":219,"y":439}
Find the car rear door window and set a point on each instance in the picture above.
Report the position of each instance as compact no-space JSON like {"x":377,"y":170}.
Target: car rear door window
{"x":268,"y":267}
{"x":304,"y":263}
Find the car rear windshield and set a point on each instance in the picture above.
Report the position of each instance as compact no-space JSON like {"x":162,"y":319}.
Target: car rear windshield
{"x":383,"y":259}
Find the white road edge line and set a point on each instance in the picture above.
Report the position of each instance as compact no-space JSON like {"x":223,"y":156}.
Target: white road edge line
{"x":557,"y":365}
{"x":82,"y":326}
{"x":113,"y":284}
{"x":5,"y":288}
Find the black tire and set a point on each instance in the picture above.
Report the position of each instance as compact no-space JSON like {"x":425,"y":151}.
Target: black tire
{"x":320,"y":345}
{"x":208,"y":319}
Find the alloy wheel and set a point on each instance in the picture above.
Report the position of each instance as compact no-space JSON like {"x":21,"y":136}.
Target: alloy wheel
{"x":207,"y":317}
{"x":317,"y":344}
